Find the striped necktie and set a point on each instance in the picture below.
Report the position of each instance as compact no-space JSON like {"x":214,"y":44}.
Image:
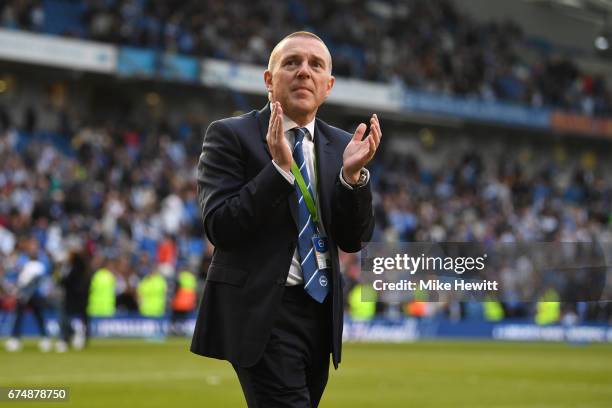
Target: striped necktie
{"x":316,"y":280}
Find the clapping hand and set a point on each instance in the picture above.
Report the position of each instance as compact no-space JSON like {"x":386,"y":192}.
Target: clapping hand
{"x":360,"y":151}
{"x":277,"y":143}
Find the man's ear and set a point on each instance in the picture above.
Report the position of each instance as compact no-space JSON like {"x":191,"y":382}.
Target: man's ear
{"x":330,"y":85}
{"x":268,"y":80}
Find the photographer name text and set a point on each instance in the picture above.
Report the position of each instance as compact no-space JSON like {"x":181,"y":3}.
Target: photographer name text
{"x":435,"y":285}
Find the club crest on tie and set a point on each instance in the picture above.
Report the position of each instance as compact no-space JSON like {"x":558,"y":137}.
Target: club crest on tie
{"x":323,"y":281}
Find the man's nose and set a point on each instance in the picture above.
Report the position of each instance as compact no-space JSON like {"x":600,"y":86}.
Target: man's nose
{"x":304,"y":70}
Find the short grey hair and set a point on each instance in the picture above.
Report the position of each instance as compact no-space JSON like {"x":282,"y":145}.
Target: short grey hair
{"x":305,"y":34}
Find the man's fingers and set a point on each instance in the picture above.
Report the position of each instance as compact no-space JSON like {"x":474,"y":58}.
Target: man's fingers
{"x":278,"y":132}
{"x":279,"y":127}
{"x":372,"y":148}
{"x":271,"y":124}
{"x":375,"y":125}
{"x":358,"y":136}
{"x":374,"y":131}
{"x":273,"y":114}
{"x":380,"y":134}
{"x":275,"y":125}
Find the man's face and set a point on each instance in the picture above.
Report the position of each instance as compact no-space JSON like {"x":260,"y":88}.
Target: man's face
{"x":300,"y":78}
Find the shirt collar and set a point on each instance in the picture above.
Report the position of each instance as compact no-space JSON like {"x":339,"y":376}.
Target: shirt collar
{"x":289,"y":124}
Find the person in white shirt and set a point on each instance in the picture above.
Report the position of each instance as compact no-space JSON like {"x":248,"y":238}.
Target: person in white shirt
{"x":28,"y":295}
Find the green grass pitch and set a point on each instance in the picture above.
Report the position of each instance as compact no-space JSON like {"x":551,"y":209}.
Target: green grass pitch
{"x":138,"y":373}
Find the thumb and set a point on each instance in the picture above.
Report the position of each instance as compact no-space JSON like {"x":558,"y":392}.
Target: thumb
{"x":358,"y":136}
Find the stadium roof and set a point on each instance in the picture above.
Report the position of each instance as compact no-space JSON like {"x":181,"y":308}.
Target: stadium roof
{"x":595,"y":11}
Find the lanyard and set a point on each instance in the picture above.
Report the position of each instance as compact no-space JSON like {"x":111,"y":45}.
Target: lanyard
{"x":312,"y":208}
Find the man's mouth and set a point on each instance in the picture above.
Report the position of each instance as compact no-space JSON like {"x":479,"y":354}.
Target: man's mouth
{"x":302,"y":88}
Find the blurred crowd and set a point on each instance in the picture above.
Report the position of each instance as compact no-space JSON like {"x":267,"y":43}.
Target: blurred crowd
{"x":510,"y":202}
{"x":465,"y":201}
{"x":112,"y":196}
{"x":121,"y":199}
{"x":425,"y":45}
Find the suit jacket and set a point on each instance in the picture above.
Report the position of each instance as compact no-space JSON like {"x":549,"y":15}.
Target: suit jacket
{"x":250,"y":215}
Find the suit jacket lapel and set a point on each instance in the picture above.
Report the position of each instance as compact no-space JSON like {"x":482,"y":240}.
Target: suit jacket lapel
{"x":263,"y":118}
{"x":325,"y":157}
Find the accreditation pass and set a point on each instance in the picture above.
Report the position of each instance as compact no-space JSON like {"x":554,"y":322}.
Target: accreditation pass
{"x":321,"y":247}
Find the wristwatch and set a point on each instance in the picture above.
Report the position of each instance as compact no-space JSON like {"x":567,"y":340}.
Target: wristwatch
{"x":363,"y":178}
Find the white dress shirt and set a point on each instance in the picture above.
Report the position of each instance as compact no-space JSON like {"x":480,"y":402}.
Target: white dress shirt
{"x":295,"y":276}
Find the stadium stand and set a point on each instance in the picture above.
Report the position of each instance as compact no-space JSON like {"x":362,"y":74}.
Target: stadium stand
{"x":108,"y":164}
{"x":430,"y":46}
{"x":128,"y":192}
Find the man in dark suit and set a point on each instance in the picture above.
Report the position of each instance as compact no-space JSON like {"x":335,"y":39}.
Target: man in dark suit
{"x":280,"y":191}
